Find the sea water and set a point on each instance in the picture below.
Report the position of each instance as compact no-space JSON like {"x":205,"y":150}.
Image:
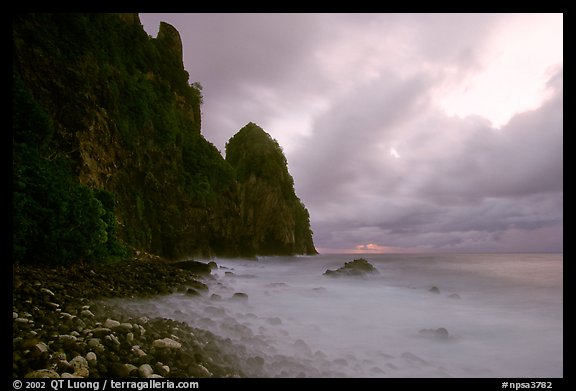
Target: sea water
{"x":503,"y":314}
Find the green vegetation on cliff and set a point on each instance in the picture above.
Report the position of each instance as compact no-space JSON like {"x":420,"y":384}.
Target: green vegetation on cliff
{"x":274,"y":220}
{"x":107,"y":145}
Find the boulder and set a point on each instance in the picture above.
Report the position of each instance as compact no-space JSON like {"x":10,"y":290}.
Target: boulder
{"x":434,"y":289}
{"x":239,"y":296}
{"x":357,"y":267}
{"x":194,"y":266}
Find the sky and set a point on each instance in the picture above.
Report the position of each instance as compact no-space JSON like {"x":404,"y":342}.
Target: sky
{"x":403,"y":132}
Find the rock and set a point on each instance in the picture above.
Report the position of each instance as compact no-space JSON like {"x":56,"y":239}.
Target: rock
{"x":47,"y":291}
{"x":87,"y":314}
{"x":143,"y":320}
{"x":440,"y":333}
{"x":155,"y":376}
{"x":101,"y":332}
{"x":215,"y":297}
{"x":43,"y":373}
{"x":161,"y":369}
{"x":202,"y":371}
{"x":213,"y":265}
{"x":132,"y":369}
{"x":192,"y":292}
{"x":434,"y":289}
{"x":64,"y":366}
{"x":198,"y":285}
{"x":111,"y":324}
{"x":194,"y":266}
{"x":124,"y":327}
{"x":94,"y":342}
{"x":80,"y":365}
{"x":14,"y":315}
{"x":67,"y":339}
{"x":139,"y":352}
{"x":239,"y":296}
{"x":454,"y":296}
{"x":41,"y":348}
{"x":66,"y":316}
{"x":145,"y":370}
{"x":119,"y":370}
{"x":67,"y":375}
{"x":166,"y":343}
{"x":129,"y":338}
{"x":91,"y":358}
{"x":358,"y":267}
{"x":274,"y":321}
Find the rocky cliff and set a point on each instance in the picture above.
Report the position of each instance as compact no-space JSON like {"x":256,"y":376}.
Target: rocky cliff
{"x":273,"y":219}
{"x":116,"y":108}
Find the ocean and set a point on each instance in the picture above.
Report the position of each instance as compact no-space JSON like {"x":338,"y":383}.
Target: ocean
{"x":491,"y":315}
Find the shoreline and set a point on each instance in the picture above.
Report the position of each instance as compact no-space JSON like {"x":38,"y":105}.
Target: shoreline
{"x":65,"y":324}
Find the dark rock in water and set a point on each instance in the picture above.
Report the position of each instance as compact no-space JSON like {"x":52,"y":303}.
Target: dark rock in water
{"x":229,"y":274}
{"x":434,"y":289}
{"x":274,"y":321}
{"x":194,"y":266}
{"x":357,"y":267}
{"x":192,"y":292}
{"x":240,"y":296}
{"x":213,"y":265}
{"x":454,"y":296}
{"x":215,"y":297}
{"x":440,"y":333}
{"x":198,"y":285}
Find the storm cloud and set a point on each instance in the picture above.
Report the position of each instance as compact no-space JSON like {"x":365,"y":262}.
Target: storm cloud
{"x":361,"y":105}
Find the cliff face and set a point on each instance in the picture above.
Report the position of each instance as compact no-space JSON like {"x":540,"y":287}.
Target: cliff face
{"x":273,"y":219}
{"x":123,"y":116}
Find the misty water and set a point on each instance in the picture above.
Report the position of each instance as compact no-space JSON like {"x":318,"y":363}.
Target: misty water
{"x":503,"y":314}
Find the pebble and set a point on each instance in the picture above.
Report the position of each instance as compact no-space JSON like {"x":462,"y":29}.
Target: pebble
{"x":139,"y":352}
{"x":48,"y":332}
{"x":145,"y":370}
{"x":67,"y":338}
{"x":166,"y":343}
{"x":47,"y":291}
{"x":120,"y":370}
{"x":111,"y":324}
{"x":43,"y":373}
{"x":66,"y":315}
{"x":91,"y":357}
{"x":161,"y":369}
{"x":132,"y":369}
{"x":204,"y":372}
{"x":67,"y":375}
{"x":41,"y":348}
{"x":124,"y":327}
{"x":80,"y":365}
{"x":101,"y":332}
